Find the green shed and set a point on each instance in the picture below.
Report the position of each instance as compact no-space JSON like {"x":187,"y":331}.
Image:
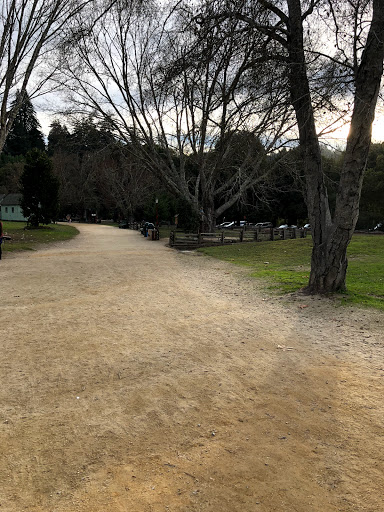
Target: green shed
{"x":10,"y":208}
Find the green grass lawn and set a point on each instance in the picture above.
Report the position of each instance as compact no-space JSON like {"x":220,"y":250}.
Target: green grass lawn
{"x":28,"y":239}
{"x":165,"y":231}
{"x":285,"y":265}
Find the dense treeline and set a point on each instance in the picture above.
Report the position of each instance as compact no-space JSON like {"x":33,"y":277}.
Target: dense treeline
{"x":99,"y":174}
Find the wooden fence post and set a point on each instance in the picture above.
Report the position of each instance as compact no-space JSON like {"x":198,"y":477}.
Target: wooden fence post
{"x":272,"y":237}
{"x":172,"y":238}
{"x":256,"y":235}
{"x":222,"y":237}
{"x":294,"y":233}
{"x":241,"y":237}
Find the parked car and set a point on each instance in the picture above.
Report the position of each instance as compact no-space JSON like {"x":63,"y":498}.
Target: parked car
{"x":226,"y":225}
{"x":307,"y":226}
{"x":283,"y":226}
{"x":264,"y":225}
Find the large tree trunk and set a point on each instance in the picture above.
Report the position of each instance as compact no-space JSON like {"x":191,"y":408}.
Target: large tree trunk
{"x":209,"y":212}
{"x":316,"y":192}
{"x":331,"y":239}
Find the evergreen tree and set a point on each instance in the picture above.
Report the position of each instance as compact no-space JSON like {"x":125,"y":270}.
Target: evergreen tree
{"x":58,"y":137}
{"x":40,"y":189}
{"x":25,"y":133}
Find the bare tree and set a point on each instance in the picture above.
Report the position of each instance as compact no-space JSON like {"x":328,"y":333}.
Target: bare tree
{"x":350,"y":49}
{"x":332,"y":235}
{"x":126,"y":185}
{"x":29,"y":29}
{"x":182,"y":101}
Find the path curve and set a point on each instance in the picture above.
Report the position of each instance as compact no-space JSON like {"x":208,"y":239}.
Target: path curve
{"x":135,"y":378}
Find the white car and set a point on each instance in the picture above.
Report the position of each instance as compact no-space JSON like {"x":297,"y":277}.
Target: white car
{"x":225,"y":225}
{"x":283,"y":226}
{"x":264,"y":225}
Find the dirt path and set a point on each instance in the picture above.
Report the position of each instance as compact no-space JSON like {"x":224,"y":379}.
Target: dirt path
{"x":134,"y":379}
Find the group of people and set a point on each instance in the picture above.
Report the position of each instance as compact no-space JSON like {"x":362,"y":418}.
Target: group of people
{"x":148,"y":229}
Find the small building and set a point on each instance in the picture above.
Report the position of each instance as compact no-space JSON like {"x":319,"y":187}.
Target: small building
{"x":10,"y":208}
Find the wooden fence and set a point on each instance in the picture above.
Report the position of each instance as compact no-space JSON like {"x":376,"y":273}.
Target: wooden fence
{"x":194,"y":240}
{"x":134,"y":225}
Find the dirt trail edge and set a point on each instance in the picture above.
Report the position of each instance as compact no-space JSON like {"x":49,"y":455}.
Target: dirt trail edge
{"x":134,"y":378}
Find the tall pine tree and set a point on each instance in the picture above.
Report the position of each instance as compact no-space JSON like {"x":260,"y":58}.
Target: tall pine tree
{"x":25,"y":133}
{"x":58,"y":138}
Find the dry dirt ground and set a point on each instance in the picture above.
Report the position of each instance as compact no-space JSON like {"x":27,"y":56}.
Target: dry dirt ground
{"x":134,"y":378}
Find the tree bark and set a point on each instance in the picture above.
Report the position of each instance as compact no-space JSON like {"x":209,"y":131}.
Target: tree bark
{"x":209,"y":212}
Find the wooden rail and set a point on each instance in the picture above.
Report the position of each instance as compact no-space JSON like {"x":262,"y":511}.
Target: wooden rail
{"x":194,"y":240}
{"x":134,"y":225}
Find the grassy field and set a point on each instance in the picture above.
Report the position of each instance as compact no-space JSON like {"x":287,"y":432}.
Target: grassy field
{"x":285,"y":266}
{"x":28,"y":239}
